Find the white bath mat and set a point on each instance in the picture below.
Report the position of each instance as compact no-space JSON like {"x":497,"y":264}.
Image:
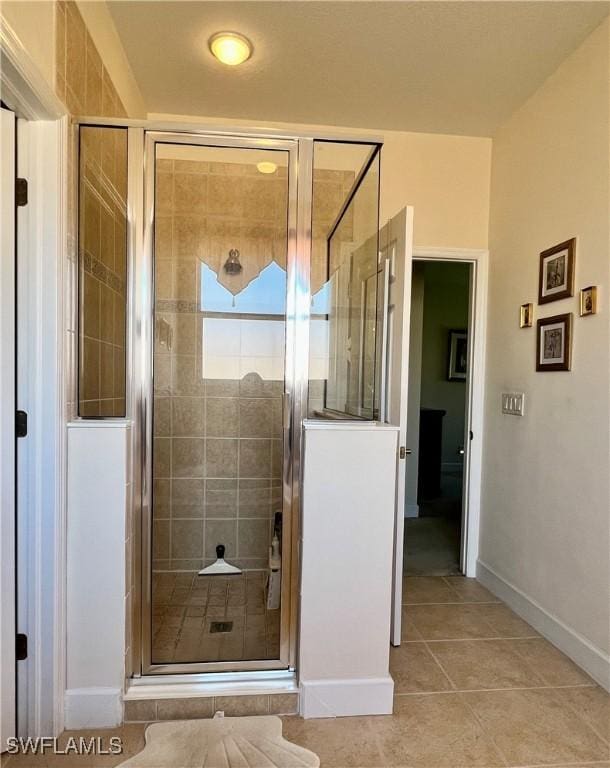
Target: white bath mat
{"x":222,"y":742}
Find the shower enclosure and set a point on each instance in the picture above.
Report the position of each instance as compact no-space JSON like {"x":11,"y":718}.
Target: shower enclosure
{"x":247,"y":302}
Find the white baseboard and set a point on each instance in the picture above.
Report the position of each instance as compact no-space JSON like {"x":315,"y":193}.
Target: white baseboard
{"x":344,"y":698}
{"x":93,"y":707}
{"x":592,"y":660}
{"x":412,"y":510}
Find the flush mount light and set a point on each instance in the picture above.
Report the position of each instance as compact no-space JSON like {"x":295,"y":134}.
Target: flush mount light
{"x":266,"y":167}
{"x":230,"y":48}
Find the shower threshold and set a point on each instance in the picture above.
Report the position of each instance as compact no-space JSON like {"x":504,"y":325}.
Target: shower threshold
{"x":206,"y":684}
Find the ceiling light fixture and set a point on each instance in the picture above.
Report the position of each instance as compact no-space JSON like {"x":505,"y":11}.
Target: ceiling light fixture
{"x":230,"y":48}
{"x":266,"y":167}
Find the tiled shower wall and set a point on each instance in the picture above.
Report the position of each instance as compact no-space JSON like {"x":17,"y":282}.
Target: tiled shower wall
{"x":218,"y":440}
{"x":218,"y":470}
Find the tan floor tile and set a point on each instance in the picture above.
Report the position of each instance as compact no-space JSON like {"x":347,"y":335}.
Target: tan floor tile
{"x":426,"y":589}
{"x":505,"y":622}
{"x":484,"y":664}
{"x":132,"y":736}
{"x":552,"y":665}
{"x":469,"y":590}
{"x":536,"y":727}
{"x":346,"y":742}
{"x":434,"y":731}
{"x":593,"y":705}
{"x":23,"y":761}
{"x":414,"y":670}
{"x":450,"y":622}
{"x":408,"y":630}
{"x":584,"y":765}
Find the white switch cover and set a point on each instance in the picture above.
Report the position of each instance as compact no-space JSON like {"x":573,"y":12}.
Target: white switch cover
{"x":513,"y":403}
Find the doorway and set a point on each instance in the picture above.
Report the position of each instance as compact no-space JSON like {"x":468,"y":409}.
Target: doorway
{"x":223,"y":256}
{"x":402,"y":397}
{"x":437,"y":417}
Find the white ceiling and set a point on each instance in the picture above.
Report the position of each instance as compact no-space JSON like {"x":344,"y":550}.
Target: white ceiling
{"x":449,"y":67}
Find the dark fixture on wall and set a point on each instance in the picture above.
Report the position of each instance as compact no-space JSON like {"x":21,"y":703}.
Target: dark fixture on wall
{"x":232,"y":264}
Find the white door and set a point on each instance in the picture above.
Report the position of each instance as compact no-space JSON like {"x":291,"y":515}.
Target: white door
{"x":7,"y":427}
{"x":396,"y":252}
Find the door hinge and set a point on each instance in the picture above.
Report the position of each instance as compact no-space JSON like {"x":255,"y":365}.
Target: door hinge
{"x":21,"y":424}
{"x":471,"y":435}
{"x":21,"y":647}
{"x":21,"y":192}
{"x":403,"y":452}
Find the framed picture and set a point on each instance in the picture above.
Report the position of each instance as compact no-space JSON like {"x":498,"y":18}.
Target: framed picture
{"x":557,"y":272}
{"x":554,"y":343}
{"x":458,"y":356}
{"x":526,"y":315}
{"x":588,"y":301}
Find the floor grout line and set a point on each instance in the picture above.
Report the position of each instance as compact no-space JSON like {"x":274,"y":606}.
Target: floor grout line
{"x":605,"y":739}
{"x":440,"y":666}
{"x":488,"y":733}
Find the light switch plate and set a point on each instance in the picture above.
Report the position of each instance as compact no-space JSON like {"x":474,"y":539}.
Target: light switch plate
{"x":513,"y":403}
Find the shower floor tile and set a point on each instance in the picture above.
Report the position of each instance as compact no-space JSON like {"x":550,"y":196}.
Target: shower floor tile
{"x":185,"y":607}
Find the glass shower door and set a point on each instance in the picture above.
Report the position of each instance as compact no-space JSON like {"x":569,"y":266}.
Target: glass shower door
{"x":220,"y":477}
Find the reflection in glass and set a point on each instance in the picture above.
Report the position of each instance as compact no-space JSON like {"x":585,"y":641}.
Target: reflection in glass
{"x":102,"y":271}
{"x":344,"y":322}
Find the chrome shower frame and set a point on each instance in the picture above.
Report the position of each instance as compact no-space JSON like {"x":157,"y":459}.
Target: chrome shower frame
{"x":142,"y":137}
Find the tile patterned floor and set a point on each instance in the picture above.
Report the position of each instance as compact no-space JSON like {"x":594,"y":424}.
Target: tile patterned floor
{"x":475,"y":686}
{"x":185,"y":606}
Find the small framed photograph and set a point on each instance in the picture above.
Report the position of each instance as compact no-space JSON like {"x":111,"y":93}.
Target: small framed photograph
{"x":458,"y":356}
{"x":554,"y":343}
{"x":588,"y":301}
{"x":526,"y":315}
{"x":557,"y":272}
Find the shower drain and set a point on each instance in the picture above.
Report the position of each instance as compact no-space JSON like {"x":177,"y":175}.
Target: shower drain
{"x":221,"y":626}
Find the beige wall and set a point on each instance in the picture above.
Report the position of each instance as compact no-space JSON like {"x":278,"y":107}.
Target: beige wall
{"x":446,"y":178}
{"x":545,"y":506}
{"x":34,"y":24}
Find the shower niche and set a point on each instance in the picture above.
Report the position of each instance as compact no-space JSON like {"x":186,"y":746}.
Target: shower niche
{"x":253,"y":304}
